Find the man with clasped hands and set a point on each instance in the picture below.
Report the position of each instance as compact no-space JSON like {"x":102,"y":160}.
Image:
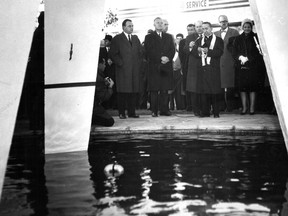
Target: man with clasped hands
{"x":159,"y":50}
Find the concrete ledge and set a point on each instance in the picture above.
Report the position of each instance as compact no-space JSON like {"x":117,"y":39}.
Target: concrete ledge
{"x":187,"y":123}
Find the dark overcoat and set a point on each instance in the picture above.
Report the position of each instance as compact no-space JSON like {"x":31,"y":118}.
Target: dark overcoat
{"x":159,"y":76}
{"x":227,"y":61}
{"x":251,"y":77}
{"x":184,"y":61}
{"x":209,"y":80}
{"x":194,"y":64}
{"x":127,"y":61}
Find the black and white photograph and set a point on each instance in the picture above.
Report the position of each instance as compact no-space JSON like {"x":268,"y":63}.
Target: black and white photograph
{"x":155,"y":107}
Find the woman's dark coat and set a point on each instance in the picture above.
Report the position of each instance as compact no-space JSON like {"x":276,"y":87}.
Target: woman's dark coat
{"x":251,"y":75}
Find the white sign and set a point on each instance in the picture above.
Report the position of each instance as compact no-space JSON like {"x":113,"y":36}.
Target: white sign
{"x":194,"y":5}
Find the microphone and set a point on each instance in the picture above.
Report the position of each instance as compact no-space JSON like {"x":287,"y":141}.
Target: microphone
{"x":197,"y":38}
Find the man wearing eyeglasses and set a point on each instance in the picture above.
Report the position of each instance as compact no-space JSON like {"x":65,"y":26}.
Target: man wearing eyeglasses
{"x":226,"y":62}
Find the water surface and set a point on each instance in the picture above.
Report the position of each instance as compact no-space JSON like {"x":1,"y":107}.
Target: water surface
{"x":163,"y":175}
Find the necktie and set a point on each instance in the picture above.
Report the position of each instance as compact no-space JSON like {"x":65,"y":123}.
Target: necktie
{"x":129,"y":36}
{"x":206,"y":41}
{"x":160,"y":34}
{"x":223,"y":33}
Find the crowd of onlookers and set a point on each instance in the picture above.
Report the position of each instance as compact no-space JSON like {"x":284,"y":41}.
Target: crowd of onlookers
{"x":206,"y":72}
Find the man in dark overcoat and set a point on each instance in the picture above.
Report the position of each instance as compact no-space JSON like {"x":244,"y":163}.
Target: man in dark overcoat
{"x":209,"y":50}
{"x":192,"y":69}
{"x":160,"y":50}
{"x":126,"y":53}
{"x":184,"y":65}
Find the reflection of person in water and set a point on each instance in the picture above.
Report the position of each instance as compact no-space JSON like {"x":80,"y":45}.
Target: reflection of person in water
{"x":102,"y":93}
{"x":35,"y":78}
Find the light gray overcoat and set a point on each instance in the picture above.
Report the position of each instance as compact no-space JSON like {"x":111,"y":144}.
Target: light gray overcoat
{"x":227,"y":67}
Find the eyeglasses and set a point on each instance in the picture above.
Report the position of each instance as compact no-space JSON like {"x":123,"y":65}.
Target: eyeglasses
{"x":224,"y":21}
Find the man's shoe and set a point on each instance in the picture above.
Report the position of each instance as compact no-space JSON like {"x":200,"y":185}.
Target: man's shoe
{"x":133,"y":116}
{"x":154,"y":114}
{"x":165,"y":113}
{"x":216,"y":116}
{"x":121,"y":116}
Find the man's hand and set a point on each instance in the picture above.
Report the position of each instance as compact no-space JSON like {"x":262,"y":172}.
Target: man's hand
{"x":109,"y":82}
{"x":109,"y":61}
{"x":191,"y":44}
{"x":164,"y":59}
{"x":205,"y":50}
{"x":202,"y":50}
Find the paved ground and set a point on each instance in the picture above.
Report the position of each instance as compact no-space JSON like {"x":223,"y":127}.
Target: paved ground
{"x":185,"y":122}
{"x":181,"y":122}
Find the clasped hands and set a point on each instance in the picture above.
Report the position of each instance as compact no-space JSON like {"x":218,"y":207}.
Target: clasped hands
{"x":203,"y":50}
{"x":243,"y":59}
{"x":164,"y":59}
{"x":109,"y":82}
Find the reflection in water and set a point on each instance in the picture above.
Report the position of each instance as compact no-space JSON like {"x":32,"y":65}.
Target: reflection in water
{"x":285,"y":205}
{"x":106,"y":186}
{"x":24,"y":190}
{"x":70,"y":190}
{"x":147,"y":182}
{"x":164,"y":175}
{"x":180,"y":176}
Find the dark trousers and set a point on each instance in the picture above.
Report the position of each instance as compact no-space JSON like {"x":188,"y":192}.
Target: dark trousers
{"x":142,"y":100}
{"x":126,"y":100}
{"x":230,"y":101}
{"x":188,"y":101}
{"x":206,"y":101}
{"x":177,"y":90}
{"x":159,"y":101}
{"x":194,"y":102}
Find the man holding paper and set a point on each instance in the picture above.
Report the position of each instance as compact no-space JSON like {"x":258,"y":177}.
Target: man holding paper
{"x":209,"y":49}
{"x":192,"y":65}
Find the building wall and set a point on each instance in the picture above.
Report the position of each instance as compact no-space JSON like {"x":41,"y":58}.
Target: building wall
{"x":178,"y":13}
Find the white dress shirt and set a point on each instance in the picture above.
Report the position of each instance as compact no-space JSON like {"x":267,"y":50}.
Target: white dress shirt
{"x":223,"y":33}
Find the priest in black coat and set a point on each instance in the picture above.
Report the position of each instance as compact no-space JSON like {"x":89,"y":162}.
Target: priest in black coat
{"x":209,"y":49}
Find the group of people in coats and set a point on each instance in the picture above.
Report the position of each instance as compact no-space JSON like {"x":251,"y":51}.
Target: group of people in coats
{"x":208,"y":56}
